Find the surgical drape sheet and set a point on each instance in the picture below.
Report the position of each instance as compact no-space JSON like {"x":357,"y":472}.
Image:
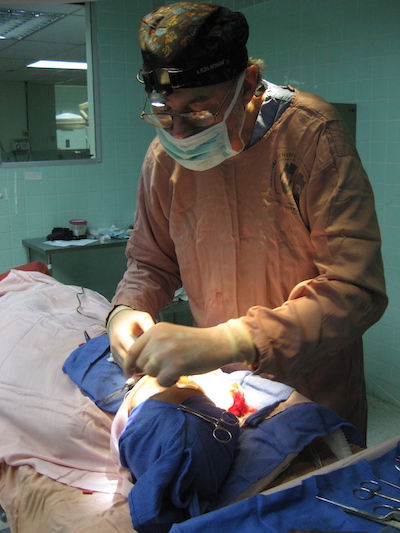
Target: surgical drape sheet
{"x":264,"y":445}
{"x":45,"y":420}
{"x":298,"y":508}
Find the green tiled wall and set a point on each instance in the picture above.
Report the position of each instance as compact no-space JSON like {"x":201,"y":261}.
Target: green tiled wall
{"x":102,"y":193}
{"x":344,"y":50}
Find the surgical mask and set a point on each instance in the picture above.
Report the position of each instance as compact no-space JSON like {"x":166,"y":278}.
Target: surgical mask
{"x":208,"y":148}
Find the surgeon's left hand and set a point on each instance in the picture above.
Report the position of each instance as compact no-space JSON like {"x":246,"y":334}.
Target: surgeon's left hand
{"x":168,"y":351}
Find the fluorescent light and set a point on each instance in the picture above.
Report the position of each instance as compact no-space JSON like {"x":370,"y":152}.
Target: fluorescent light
{"x":17,"y":24}
{"x":64,"y":65}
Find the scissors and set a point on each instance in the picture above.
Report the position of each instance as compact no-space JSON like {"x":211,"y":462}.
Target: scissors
{"x":220,"y":433}
{"x":397,"y":458}
{"x":392,"y":518}
{"x":370,"y":488}
{"x":391,"y":484}
{"x":392,"y":511}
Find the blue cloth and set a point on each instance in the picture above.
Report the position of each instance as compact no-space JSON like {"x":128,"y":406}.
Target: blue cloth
{"x":89,"y":367}
{"x":178,"y":465}
{"x":265,"y":444}
{"x":298,"y":508}
{"x":277,"y":100}
{"x":261,"y":393}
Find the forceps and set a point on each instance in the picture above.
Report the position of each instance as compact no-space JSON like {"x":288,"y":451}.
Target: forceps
{"x":128,"y":385}
{"x":220,"y":433}
{"x":370,"y":488}
{"x":392,"y":518}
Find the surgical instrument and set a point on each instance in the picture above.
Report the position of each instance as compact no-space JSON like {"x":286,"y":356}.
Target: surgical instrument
{"x":384,"y":506}
{"x":220,"y":433}
{"x":128,"y":385}
{"x":391,"y":519}
{"x":370,"y":488}
{"x":391,"y":484}
{"x":397,"y":458}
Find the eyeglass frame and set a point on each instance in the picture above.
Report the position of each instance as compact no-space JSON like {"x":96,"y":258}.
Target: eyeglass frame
{"x":143,"y":115}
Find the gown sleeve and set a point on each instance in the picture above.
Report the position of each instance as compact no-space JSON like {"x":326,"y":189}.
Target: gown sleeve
{"x":324,"y":314}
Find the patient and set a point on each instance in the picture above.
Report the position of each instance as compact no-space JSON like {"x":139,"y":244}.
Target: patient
{"x":179,"y":447}
{"x":172,"y":452}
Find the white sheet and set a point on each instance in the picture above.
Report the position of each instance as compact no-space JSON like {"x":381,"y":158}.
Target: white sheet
{"x":41,"y":322}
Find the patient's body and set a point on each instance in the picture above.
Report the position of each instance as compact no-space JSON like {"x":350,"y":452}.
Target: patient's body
{"x":148,"y":387}
{"x":179,"y":447}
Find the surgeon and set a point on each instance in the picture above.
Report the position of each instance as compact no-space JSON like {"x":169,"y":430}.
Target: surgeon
{"x":253,"y":197}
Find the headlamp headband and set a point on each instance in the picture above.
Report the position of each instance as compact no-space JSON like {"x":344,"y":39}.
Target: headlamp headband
{"x":166,"y":79}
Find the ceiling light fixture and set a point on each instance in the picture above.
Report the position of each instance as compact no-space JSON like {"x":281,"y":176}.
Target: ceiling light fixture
{"x":63,"y":65}
{"x":17,"y":24}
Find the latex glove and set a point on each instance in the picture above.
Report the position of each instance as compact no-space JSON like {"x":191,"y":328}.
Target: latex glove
{"x":123,"y":328}
{"x":168,"y":351}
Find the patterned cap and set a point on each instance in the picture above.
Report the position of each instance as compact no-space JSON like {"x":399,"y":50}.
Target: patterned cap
{"x":192,"y":44}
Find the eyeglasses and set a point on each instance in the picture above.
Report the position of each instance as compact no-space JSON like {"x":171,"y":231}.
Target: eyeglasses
{"x":198,"y":119}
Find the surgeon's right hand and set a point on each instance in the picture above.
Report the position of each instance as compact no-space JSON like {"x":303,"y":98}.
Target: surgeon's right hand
{"x":123,"y":327}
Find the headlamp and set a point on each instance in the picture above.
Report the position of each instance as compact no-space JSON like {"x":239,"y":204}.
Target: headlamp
{"x":162,"y":80}
{"x":157,"y":99}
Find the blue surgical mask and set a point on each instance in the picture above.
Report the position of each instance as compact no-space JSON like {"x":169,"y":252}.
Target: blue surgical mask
{"x":208,"y":148}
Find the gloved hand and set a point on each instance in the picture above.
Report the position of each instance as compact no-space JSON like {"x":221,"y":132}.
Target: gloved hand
{"x":168,"y":351}
{"x":123,"y":327}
